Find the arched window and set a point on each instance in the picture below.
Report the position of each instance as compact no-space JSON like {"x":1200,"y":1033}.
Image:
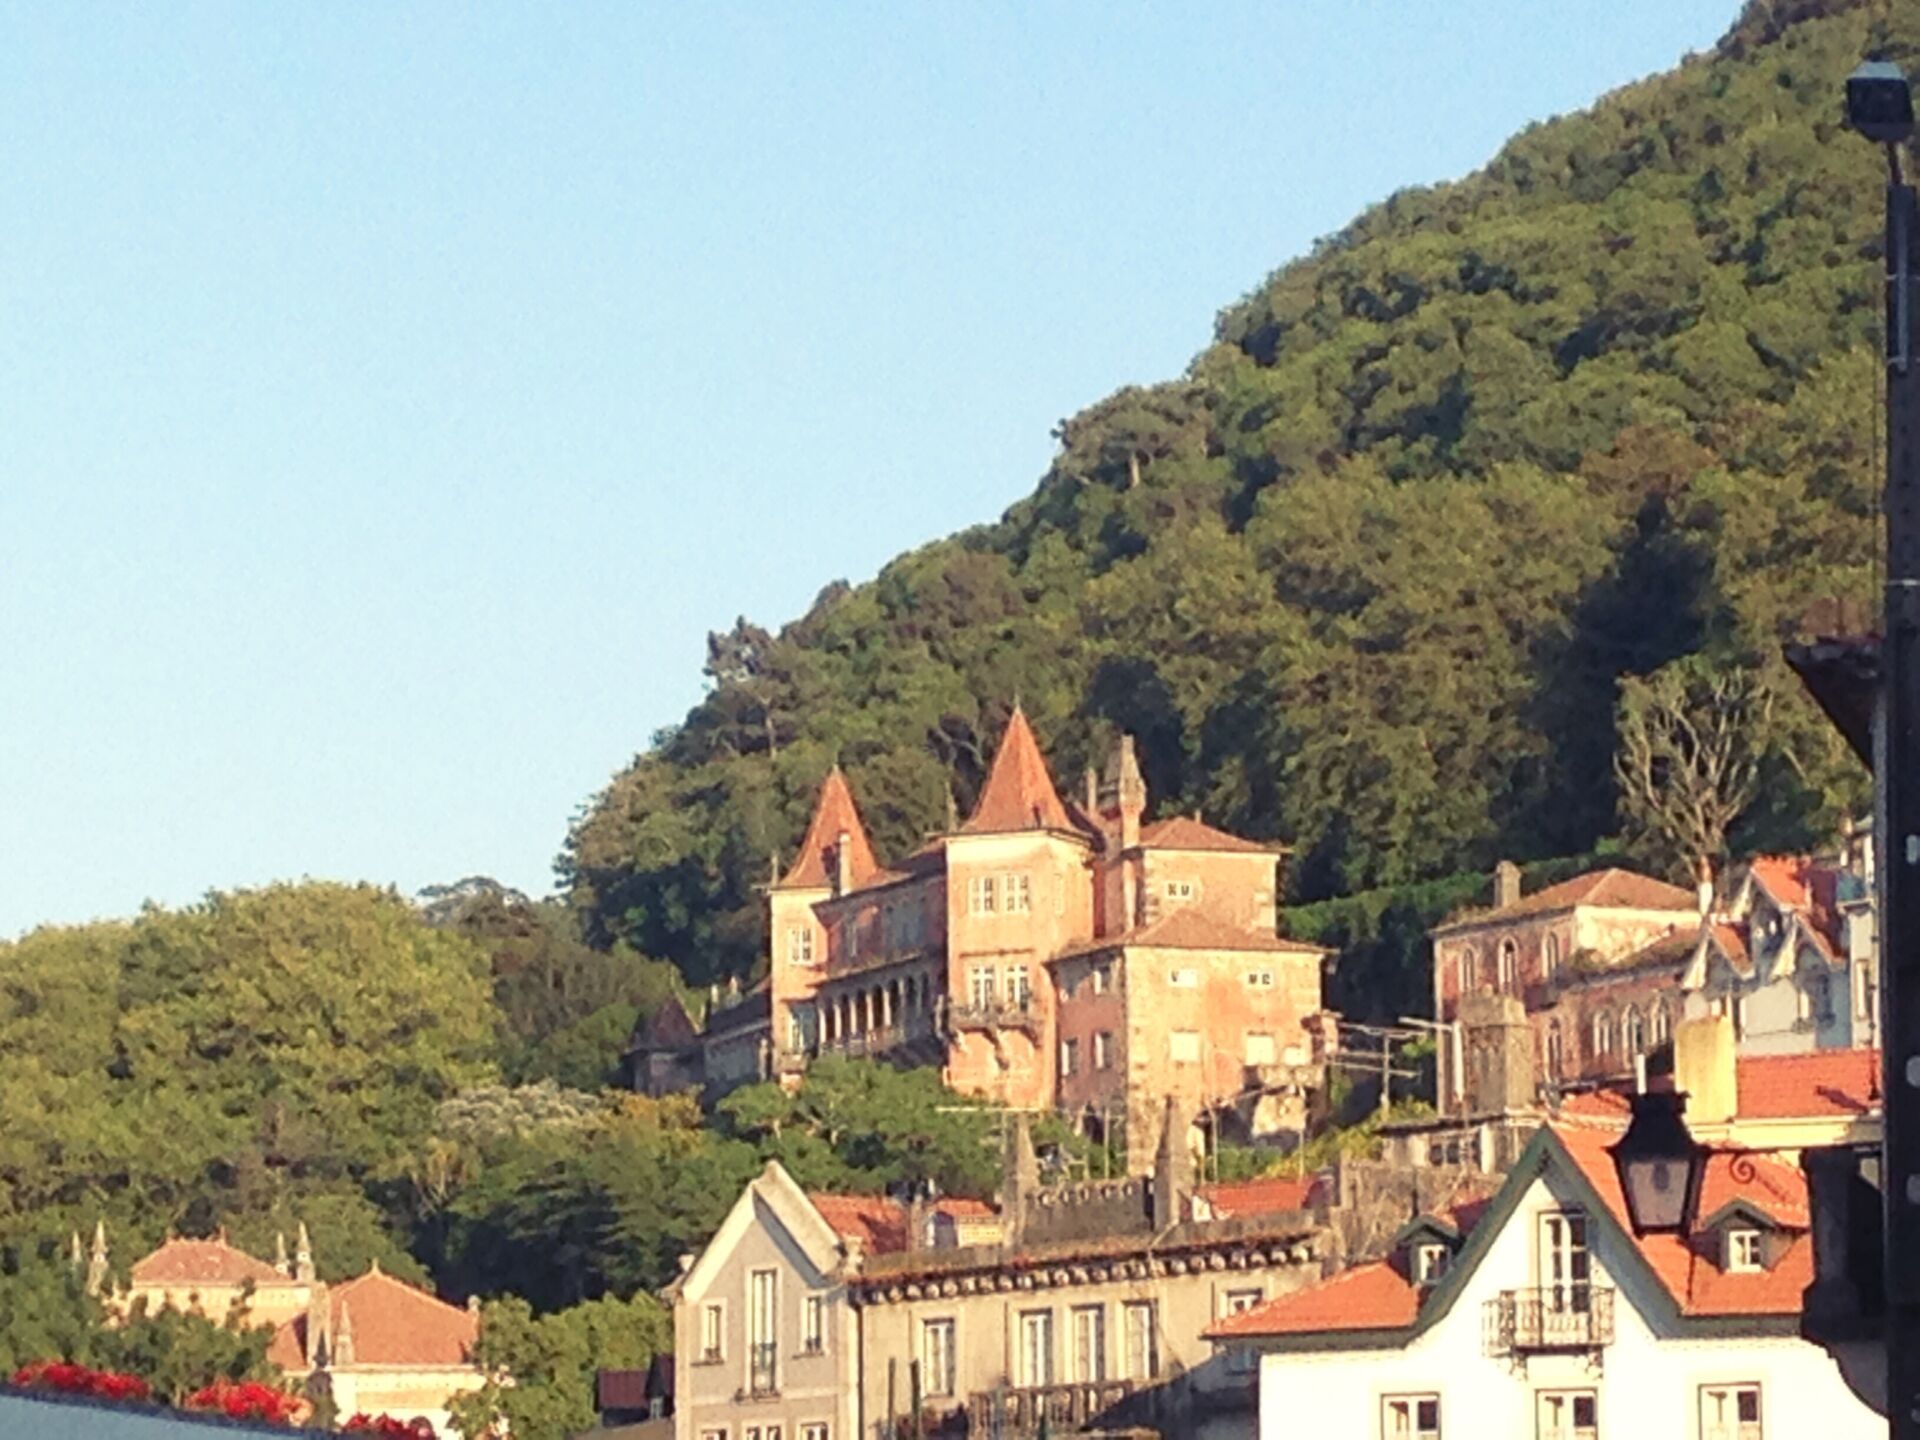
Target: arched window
{"x":1469,"y":981}
{"x":1556,"y":1051}
{"x":1509,"y":966}
{"x":1550,"y":954}
{"x":1633,"y":1030}
{"x":1602,"y":1033}
{"x":1662,"y":1023}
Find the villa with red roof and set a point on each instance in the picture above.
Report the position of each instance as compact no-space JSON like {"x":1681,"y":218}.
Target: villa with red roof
{"x":209,"y":1277}
{"x":1541,"y":1313}
{"x":1043,"y":952}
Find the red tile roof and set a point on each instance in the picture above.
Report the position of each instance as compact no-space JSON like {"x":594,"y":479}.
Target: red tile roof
{"x":1190,"y":927}
{"x":1189,"y":832}
{"x":1257,"y":1197}
{"x":876,"y":1222}
{"x":1019,"y":794}
{"x":202,"y":1262}
{"x":833,"y":813}
{"x":1373,"y":1296}
{"x":1820,"y":1083}
{"x":393,"y":1323}
{"x":1611,"y":889}
{"x":1788,"y":878}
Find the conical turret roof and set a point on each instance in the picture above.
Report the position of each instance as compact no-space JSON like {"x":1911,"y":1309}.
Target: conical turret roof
{"x":834,"y":814}
{"x":1019,"y":794}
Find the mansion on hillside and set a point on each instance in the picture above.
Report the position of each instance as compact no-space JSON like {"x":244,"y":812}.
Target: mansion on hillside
{"x":1044,"y":953}
{"x":1607,"y":965}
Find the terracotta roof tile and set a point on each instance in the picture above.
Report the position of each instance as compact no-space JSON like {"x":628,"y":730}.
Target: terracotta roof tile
{"x":1610,"y":889}
{"x":1190,"y":927}
{"x":1019,"y":794}
{"x":1187,"y":832}
{"x":1267,"y":1196}
{"x":878,"y":1223}
{"x":833,"y":813}
{"x":1788,"y":878}
{"x":203,"y":1262}
{"x":394,"y":1323}
{"x":1819,"y":1083}
{"x":1373,"y":1296}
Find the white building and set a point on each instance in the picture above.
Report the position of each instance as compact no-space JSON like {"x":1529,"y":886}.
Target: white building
{"x":1544,"y":1317}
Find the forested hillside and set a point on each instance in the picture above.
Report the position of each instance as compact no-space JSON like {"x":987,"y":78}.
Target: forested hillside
{"x":1367,"y":577}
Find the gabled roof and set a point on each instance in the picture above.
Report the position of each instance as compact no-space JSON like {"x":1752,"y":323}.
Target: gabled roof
{"x":1609,"y":889}
{"x":876,"y":1222}
{"x":1375,"y":1304}
{"x":834,"y":813}
{"x":1019,"y":794}
{"x":1189,"y":832}
{"x":393,"y":1323}
{"x":668,"y":1027}
{"x":774,"y":1194}
{"x":202,"y":1262}
{"x":1268,"y":1196}
{"x":1191,"y":927}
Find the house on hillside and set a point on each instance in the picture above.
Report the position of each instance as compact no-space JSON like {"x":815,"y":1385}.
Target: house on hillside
{"x":1543,"y":1314}
{"x":1043,"y":952}
{"x":813,"y":1316}
{"x":210,"y":1277}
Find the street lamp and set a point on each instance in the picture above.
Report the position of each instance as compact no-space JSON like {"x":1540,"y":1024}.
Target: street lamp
{"x":1660,"y":1164}
{"x":1880,"y":102}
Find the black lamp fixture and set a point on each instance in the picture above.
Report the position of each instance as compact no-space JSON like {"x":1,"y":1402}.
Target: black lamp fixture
{"x":1660,"y":1164}
{"x":1880,"y":102}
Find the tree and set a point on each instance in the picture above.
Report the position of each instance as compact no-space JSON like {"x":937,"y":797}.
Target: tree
{"x":1692,"y":741}
{"x":551,"y":1360}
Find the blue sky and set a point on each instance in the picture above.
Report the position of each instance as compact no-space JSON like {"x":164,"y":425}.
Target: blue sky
{"x":392,"y":397}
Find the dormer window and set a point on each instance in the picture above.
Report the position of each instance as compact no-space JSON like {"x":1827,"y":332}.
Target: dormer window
{"x":1743,"y":1250}
{"x":1430,"y":1261}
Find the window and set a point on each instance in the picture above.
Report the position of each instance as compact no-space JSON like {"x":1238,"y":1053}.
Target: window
{"x":1178,"y":892}
{"x":1743,"y":1250}
{"x":1183,"y":1046}
{"x":1602,"y":1033}
{"x":1140,"y":1334}
{"x":1729,"y":1412}
{"x":1238,"y":1302}
{"x":1260,"y":1048}
{"x":813,"y":1325}
{"x":1429,"y":1262}
{"x":1567,"y":1415}
{"x":1469,"y":971}
{"x":714,"y":1432}
{"x":1016,"y":893}
{"x":1509,"y":965}
{"x":1660,"y":1023}
{"x":1241,"y":1359}
{"x":1550,"y":954}
{"x":1556,"y":1051}
{"x":1410,"y":1417}
{"x":982,"y":896}
{"x":1103,"y":1050}
{"x":814,"y":1430}
{"x":1565,"y":1266}
{"x":763,"y":1325}
{"x":1102,"y":977}
{"x":1090,"y":1342}
{"x":1260,"y":979}
{"x":936,"y":1357}
{"x":1633,"y":1030}
{"x":1069,"y":1056}
{"x":1183,"y":979}
{"x":800,"y":945}
{"x":1036,"y":1348}
{"x":712,"y":1328}
{"x":980,"y":990}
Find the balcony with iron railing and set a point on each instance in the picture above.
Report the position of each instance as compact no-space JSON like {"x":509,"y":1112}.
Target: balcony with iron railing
{"x":1059,"y":1409}
{"x":1008,"y":1012}
{"x":1567,"y":1317}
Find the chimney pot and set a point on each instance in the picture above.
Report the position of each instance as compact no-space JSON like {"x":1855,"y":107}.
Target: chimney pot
{"x":842,"y":863}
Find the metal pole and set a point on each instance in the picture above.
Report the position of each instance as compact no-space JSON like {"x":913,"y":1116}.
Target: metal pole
{"x":1900,"y":870}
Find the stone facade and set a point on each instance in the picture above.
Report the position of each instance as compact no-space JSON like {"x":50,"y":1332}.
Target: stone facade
{"x":1043,"y":954}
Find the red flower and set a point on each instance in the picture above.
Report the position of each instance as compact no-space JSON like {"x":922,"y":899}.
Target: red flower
{"x":247,"y":1400}
{"x":71,"y":1379}
{"x":418,"y":1428}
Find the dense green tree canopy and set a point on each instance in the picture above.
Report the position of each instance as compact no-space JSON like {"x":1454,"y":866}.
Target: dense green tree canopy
{"x":1368,"y":577}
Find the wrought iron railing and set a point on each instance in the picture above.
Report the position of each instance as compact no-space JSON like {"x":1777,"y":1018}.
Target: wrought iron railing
{"x":760,"y":1370}
{"x":1564,"y":1317}
{"x":1014,"y":1411}
{"x":1011,"y":1013}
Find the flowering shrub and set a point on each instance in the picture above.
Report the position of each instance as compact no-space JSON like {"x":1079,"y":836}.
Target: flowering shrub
{"x":418,"y":1428}
{"x":247,"y":1400}
{"x":72,"y":1379}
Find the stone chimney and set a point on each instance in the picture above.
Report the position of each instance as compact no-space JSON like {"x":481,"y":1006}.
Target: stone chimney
{"x":1703,"y":886}
{"x":1704,"y":1069}
{"x":1091,"y":793}
{"x":1506,"y":885}
{"x":1123,"y":797}
{"x":842,"y":863}
{"x":1172,"y":1169}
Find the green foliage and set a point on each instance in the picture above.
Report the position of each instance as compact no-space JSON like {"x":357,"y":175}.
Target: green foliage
{"x":552,"y":1359}
{"x":1367,"y":577}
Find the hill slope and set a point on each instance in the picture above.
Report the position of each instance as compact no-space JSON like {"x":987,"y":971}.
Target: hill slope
{"x":1367,"y":576}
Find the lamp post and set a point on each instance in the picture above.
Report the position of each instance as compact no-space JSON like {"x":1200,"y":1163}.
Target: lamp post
{"x":1880,"y":108}
{"x":1660,"y":1164}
